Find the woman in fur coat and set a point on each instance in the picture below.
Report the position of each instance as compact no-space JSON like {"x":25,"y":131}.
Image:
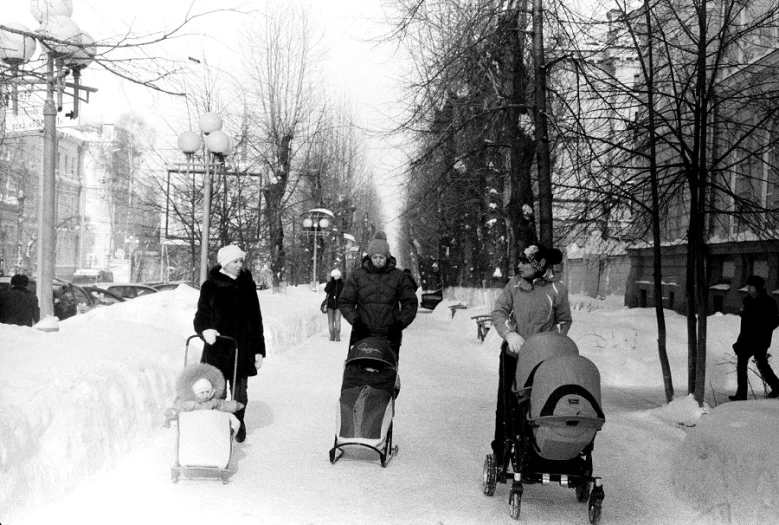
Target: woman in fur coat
{"x":228,"y":306}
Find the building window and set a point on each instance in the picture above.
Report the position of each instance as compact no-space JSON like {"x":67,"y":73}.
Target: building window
{"x":728,"y":269}
{"x":760,"y":268}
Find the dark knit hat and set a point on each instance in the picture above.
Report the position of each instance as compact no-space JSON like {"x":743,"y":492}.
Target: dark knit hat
{"x":756,"y":281}
{"x":379,"y":245}
{"x":541,"y":257}
{"x":20,"y":280}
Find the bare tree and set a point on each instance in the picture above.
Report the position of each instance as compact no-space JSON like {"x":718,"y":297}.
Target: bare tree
{"x":280,"y":90}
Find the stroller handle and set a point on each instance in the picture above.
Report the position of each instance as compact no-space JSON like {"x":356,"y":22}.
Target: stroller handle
{"x":233,"y":342}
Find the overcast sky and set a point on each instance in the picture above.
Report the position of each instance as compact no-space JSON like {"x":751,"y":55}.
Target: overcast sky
{"x":352,"y":63}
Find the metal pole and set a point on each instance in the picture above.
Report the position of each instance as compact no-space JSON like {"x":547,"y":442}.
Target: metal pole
{"x":313,"y":275}
{"x":205,"y":233}
{"x":46,"y":211}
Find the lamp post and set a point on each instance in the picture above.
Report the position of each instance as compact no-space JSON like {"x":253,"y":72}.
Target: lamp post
{"x":316,"y":223}
{"x":68,"y":50}
{"x":218,"y":144}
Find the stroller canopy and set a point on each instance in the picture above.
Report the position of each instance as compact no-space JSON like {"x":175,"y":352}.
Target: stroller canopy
{"x":566,"y":386}
{"x":372,"y":350}
{"x":538,"y":348}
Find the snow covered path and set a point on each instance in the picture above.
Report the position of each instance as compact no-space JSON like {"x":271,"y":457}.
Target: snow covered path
{"x":443,"y":426}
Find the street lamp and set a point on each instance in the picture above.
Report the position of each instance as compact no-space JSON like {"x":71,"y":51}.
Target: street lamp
{"x":217,"y":144}
{"x":68,"y":50}
{"x":316,"y":223}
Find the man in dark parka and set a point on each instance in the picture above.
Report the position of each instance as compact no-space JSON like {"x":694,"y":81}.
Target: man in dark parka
{"x":378,"y":299}
{"x":759,"y":318}
{"x":228,"y":306}
{"x":18,"y":305}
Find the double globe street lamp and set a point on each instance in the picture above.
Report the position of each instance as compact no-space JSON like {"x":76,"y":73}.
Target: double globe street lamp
{"x":317,"y":223}
{"x":217,"y":144}
{"x":68,"y":50}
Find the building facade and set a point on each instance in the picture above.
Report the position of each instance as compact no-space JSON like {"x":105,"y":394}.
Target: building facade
{"x":741,"y":180}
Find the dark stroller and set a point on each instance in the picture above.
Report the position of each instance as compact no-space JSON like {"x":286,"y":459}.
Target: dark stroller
{"x":553,"y":415}
{"x":367,"y":402}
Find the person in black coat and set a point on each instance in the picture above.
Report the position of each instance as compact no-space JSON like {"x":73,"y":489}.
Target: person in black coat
{"x":378,"y":298}
{"x":228,"y":306}
{"x":333,"y":289}
{"x":18,"y":305}
{"x":410,"y":275}
{"x":759,"y":318}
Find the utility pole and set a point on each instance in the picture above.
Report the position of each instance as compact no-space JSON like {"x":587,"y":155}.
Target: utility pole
{"x":543,"y":162}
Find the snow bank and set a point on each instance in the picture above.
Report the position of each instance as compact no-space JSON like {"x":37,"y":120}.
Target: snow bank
{"x":727,"y":464}
{"x":84,"y":396}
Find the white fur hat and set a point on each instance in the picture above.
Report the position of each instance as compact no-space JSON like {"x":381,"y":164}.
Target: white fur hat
{"x":228,"y":254}
{"x":336,"y":274}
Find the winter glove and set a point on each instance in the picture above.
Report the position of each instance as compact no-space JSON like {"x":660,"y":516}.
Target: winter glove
{"x":515,"y":342}
{"x":394,"y":331}
{"x":359,"y":328}
{"x":258,"y":361}
{"x":210,"y":335}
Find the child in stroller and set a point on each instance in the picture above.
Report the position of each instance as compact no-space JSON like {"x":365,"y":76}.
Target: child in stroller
{"x":367,"y":402}
{"x":201,"y":387}
{"x":206,"y":424}
{"x":553,"y":414}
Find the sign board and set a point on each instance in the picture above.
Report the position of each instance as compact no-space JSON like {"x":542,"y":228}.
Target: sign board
{"x":30,"y":118}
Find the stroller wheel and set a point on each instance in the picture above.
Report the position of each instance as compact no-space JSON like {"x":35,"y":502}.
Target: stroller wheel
{"x":490,"y":475}
{"x":515,"y":504}
{"x":583,"y":492}
{"x":595,"y":510}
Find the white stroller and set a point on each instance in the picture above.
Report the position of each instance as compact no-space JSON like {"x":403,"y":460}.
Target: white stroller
{"x":205,"y":438}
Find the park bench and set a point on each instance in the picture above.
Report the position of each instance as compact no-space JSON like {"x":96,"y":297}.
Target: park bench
{"x":483,"y":325}
{"x":455,"y":307}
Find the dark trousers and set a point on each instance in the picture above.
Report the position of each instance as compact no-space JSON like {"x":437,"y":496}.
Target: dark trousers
{"x":768,"y":375}
{"x":506,"y":376}
{"x":334,"y":323}
{"x":240,"y":393}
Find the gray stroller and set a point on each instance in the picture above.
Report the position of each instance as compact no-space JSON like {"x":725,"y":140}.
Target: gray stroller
{"x":553,"y":414}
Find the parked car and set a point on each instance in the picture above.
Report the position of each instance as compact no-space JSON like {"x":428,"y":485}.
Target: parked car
{"x":92,"y":275}
{"x":431,"y":299}
{"x":103,"y":297}
{"x":126,"y":290}
{"x":69,"y":299}
{"x":172,"y":285}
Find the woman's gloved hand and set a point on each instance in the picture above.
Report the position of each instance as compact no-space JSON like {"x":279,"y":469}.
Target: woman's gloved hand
{"x":515,"y":342}
{"x":395,"y":330}
{"x":210,"y":335}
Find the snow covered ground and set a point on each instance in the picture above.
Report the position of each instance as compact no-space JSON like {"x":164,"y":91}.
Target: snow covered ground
{"x":81,"y":439}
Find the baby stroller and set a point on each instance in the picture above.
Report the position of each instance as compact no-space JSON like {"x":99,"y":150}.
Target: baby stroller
{"x":367,"y":402}
{"x":205,"y":438}
{"x":553,"y":415}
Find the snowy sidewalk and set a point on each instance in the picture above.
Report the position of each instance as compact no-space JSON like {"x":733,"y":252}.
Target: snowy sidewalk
{"x":443,"y":421}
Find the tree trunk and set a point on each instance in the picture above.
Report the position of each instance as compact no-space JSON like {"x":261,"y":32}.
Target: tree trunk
{"x":520,"y":208}
{"x":543,"y":163}
{"x":649,"y":73}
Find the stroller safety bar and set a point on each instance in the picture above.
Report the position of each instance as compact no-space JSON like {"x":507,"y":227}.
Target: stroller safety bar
{"x":568,"y":421}
{"x":233,"y":343}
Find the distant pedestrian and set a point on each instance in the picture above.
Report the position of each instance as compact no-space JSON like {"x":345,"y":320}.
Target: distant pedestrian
{"x":759,"y":318}
{"x":229,"y":306}
{"x":410,"y":275}
{"x":333,"y":290}
{"x":18,"y":305}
